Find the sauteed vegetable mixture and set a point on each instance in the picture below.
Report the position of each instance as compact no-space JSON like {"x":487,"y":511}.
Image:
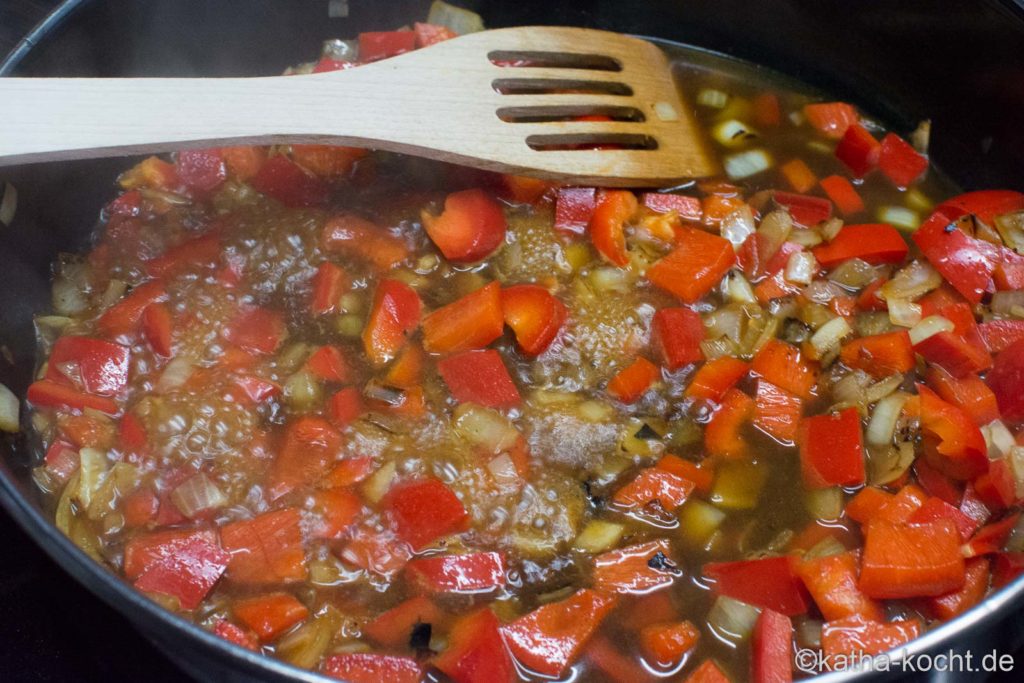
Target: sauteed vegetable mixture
{"x":393,"y":420}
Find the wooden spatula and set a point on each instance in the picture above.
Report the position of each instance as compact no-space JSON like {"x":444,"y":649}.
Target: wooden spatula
{"x":506,"y":100}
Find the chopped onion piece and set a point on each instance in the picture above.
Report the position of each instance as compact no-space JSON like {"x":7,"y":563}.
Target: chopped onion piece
{"x":610,"y":279}
{"x":746,"y":164}
{"x":732,"y":133}
{"x":998,"y":438}
{"x":853,"y":273}
{"x":484,"y":427}
{"x":903,"y":312}
{"x":459,"y":20}
{"x":824,"y":504}
{"x":198,"y":494}
{"x":599,"y":536}
{"x":503,"y":470}
{"x":725,"y":322}
{"x":826,"y":547}
{"x":801,"y":267}
{"x":882,"y":388}
{"x":1011,"y":229}
{"x":699,"y":520}
{"x":68,"y":298}
{"x":9,"y":408}
{"x":379,"y":482}
{"x":732,"y":620}
{"x":830,"y":335}
{"x":888,"y":464}
{"x":738,"y":289}
{"x":1016,"y":459}
{"x":850,"y":388}
{"x":174,"y":375}
{"x":830,"y":228}
{"x":911,"y":282}
{"x":921,"y":136}
{"x":716,"y":348}
{"x":899,"y":216}
{"x":92,"y":467}
{"x":302,"y":391}
{"x":1004,"y":303}
{"x":805,"y":237}
{"x":738,"y":226}
{"x":773,"y":231}
{"x":882,"y":425}
{"x":9,"y":204}
{"x":928,"y":327}
{"x":709,"y":97}
{"x":918,"y":201}
{"x":822,"y":291}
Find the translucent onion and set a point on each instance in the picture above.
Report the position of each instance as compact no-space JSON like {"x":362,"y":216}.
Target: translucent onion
{"x":911,"y":282}
{"x":808,"y":633}
{"x":738,"y":289}
{"x":746,"y":164}
{"x":772,"y":232}
{"x":9,"y":408}
{"x":899,"y":216}
{"x":805,"y":237}
{"x":1016,"y":459}
{"x":716,"y":348}
{"x":853,"y":273}
{"x":732,"y":620}
{"x":699,"y":520}
{"x":302,"y":391}
{"x":830,"y":335}
{"x":801,"y":267}
{"x":824,"y":504}
{"x":1010,"y":227}
{"x":738,"y":485}
{"x":611,"y":279}
{"x":929,"y":327}
{"x":598,"y":536}
{"x":826,"y":547}
{"x":998,"y":438}
{"x":197,"y":494}
{"x":92,"y":468}
{"x":830,"y":228}
{"x":888,"y":464}
{"x":459,"y":20}
{"x":1004,"y":303}
{"x":882,"y":425}
{"x":379,"y":482}
{"x":732,"y":133}
{"x":822,"y":291}
{"x":67,"y":297}
{"x":709,"y":97}
{"x":882,"y":388}
{"x":484,"y":427}
{"x":903,"y":313}
{"x":174,"y":375}
{"x":738,"y":226}
{"x":503,"y":470}
{"x":850,"y":388}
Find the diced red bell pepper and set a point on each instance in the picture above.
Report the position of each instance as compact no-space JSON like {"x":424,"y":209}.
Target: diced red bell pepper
{"x":574,"y":207}
{"x":524,"y":189}
{"x":394,"y":315}
{"x":124,"y":316}
{"x":548,"y":639}
{"x":327,"y":161}
{"x":936,"y":483}
{"x":475,"y":652}
{"x":936,"y":508}
{"x":86,"y":431}
{"x":784,"y":366}
{"x":152,"y":172}
{"x":831,"y":118}
{"x":326,"y":65}
{"x":128,"y":204}
{"x":669,"y":490}
{"x":329,"y":283}
{"x":407,"y":370}
{"x":707,"y":672}
{"x":716,"y":377}
{"x":701,"y":475}
{"x":769,"y":582}
{"x":258,"y":330}
{"x":48,"y":394}
{"x":603,"y":656}
{"x":1006,"y":567}
{"x":328,"y":363}
{"x":875,"y":243}
{"x":771,"y":648}
{"x":1006,"y":379}
{"x":471,"y":227}
{"x":990,"y":538}
{"x":880,"y":355}
{"x":394,"y":627}
{"x":337,"y":509}
{"x":635,"y":569}
{"x":203,"y":251}
{"x":666,"y":644}
{"x":1000,"y":334}
{"x":831,"y":450}
{"x":425,"y":510}
{"x":972,"y":506}
{"x":309,"y":447}
{"x":61,"y":460}
{"x":183,"y":564}
{"x":244,"y":161}
{"x":767,"y":112}
{"x":832,"y":582}
{"x":534,"y":314}
{"x":954,"y":354}
{"x":266,"y":549}
{"x":799,"y":175}
{"x":873,"y":503}
{"x":362,"y":667}
{"x":970,"y":394}
{"x":269,"y":615}
{"x":775,"y":287}
{"x":472,"y":322}
{"x":955,"y":603}
{"x":633,"y":381}
{"x":688,"y":208}
{"x":804,"y":210}
{"x":997,"y":488}
{"x":354,"y":236}
{"x":899,"y":161}
{"x":854,"y":637}
{"x":676,"y":334}
{"x":282,"y":179}
{"x":344,"y":407}
{"x":777,"y":412}
{"x":376,"y":551}
{"x":470,"y":573}
{"x":235,"y":634}
{"x":911,"y":560}
{"x":376,"y":45}
{"x":859,"y":150}
{"x":350,"y":471}
{"x":201,"y":170}
{"x":697,"y":264}
{"x":953,"y":444}
{"x":723,"y":434}
{"x":157,"y":327}
{"x":479,"y":377}
{"x":613,"y":209}
{"x":843,"y":194}
{"x":95,"y":365}
{"x":429,"y":34}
